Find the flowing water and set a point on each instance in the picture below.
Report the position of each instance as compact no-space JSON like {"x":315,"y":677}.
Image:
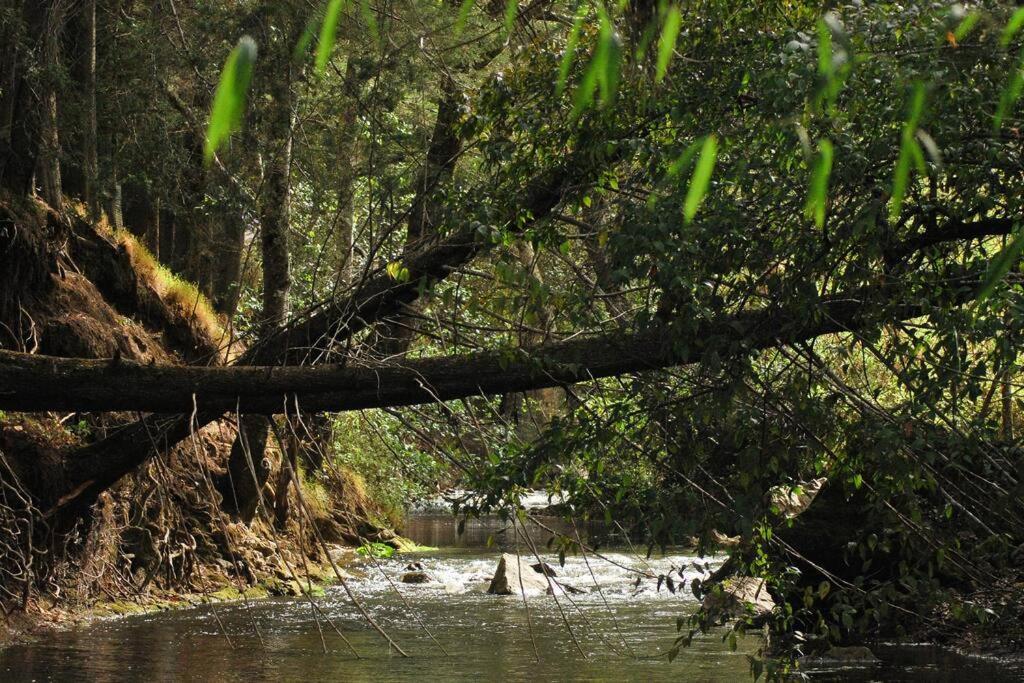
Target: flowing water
{"x":616,"y":630}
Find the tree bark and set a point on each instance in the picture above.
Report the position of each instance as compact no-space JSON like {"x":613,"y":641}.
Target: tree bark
{"x":90,"y":154}
{"x":92,"y":469}
{"x":23,"y":105}
{"x":49,"y":157}
{"x":34,"y":383}
{"x":424,"y":215}
{"x":247,"y":467}
{"x":531,"y":411}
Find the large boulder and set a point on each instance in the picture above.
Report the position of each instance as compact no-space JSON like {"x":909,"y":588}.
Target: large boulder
{"x":739,"y":596}
{"x":513,"y":572}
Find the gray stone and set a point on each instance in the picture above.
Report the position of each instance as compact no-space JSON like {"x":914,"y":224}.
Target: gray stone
{"x":507,"y":577}
{"x":416,"y":577}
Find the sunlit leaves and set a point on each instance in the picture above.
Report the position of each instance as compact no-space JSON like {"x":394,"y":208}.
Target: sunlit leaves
{"x":965,"y":26}
{"x":397,"y":272}
{"x":817,"y":196}
{"x":370,"y":19}
{"x":603,"y":71}
{"x":1012,"y":27}
{"x":910,"y":152}
{"x":511,"y":10}
{"x":667,"y":42}
{"x":464,"y":10}
{"x":328,"y":31}
{"x":1011,"y":94}
{"x":229,"y":100}
{"x":570,"y":49}
{"x":701,"y":178}
{"x":1001,"y":264}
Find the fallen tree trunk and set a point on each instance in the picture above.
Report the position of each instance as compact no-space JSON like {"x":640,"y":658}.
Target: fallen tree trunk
{"x":93,"y":468}
{"x":40,"y":383}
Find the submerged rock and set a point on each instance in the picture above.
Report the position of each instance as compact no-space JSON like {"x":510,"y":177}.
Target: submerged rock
{"x":738,"y":597}
{"x":508,"y":577}
{"x":853,"y":653}
{"x":416,"y":577}
{"x":856,"y":653}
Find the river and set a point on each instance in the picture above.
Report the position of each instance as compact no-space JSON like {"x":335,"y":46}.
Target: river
{"x":618,"y":632}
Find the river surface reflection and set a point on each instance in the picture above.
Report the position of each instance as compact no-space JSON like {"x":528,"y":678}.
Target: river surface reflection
{"x":614,"y":631}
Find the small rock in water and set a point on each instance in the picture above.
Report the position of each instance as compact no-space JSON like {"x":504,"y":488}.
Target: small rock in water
{"x":853,"y":653}
{"x":416,"y":577}
{"x":414,"y":567}
{"x":544,"y":568}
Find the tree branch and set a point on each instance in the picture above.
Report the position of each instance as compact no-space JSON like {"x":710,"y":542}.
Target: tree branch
{"x":41,"y":383}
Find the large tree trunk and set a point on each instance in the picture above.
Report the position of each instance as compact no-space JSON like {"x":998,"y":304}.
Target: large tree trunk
{"x":44,"y":383}
{"x":21,"y":131}
{"x":90,"y":154}
{"x":49,"y":157}
{"x":532,"y":411}
{"x":50,"y":384}
{"x":344,"y":230}
{"x":248,"y":469}
{"x":424,"y":215}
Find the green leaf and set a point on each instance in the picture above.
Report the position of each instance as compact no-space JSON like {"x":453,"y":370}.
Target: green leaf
{"x":328,"y":31}
{"x":910,"y":151}
{"x":604,"y":68}
{"x":511,"y":9}
{"x":370,"y":19}
{"x":931,"y":147}
{"x":667,"y":42}
{"x":607,"y":57}
{"x":1000,"y":265}
{"x":570,"y":49}
{"x":684,"y":160}
{"x":824,"y":49}
{"x":1012,"y":26}
{"x":464,"y":10}
{"x":306,"y":39}
{"x":584,"y":94}
{"x":965,"y":26}
{"x":701,"y":178}
{"x":1011,"y":93}
{"x":818,"y":194}
{"x":229,"y":100}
